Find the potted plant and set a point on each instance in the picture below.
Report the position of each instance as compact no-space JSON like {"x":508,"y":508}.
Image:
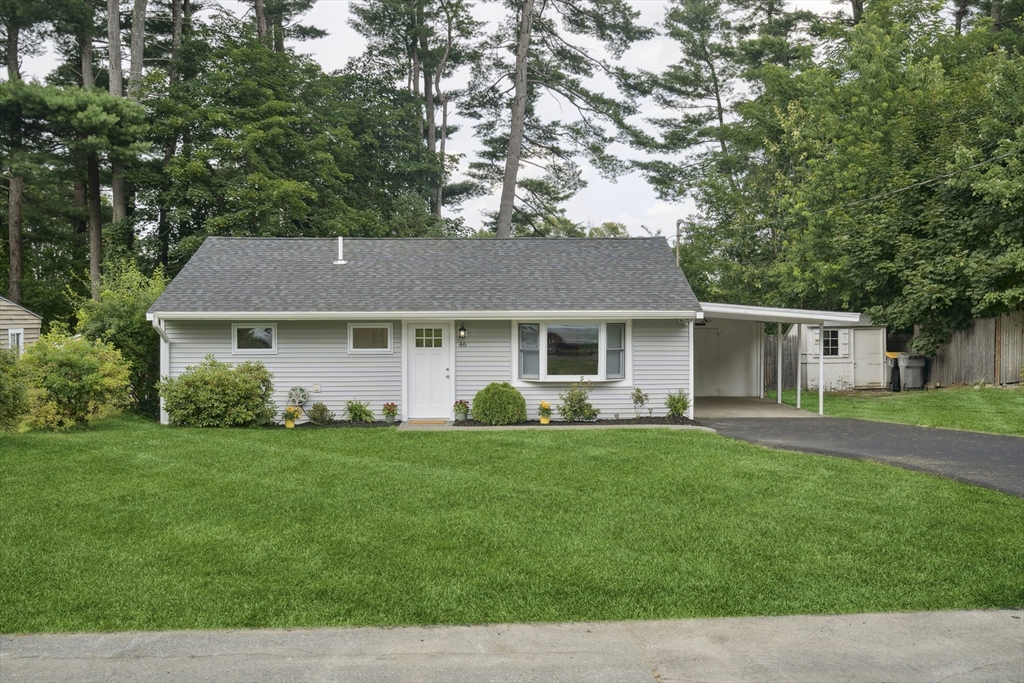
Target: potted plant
{"x":291,"y":414}
{"x":390,"y":410}
{"x":461,"y":409}
{"x":545,"y":412}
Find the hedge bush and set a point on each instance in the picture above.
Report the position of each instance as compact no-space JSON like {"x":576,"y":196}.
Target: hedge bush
{"x":677,"y":404}
{"x":73,"y":380}
{"x":216,"y":394}
{"x":499,"y":404}
{"x":13,"y":394}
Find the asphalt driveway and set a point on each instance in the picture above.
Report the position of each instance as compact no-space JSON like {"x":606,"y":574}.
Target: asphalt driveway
{"x":989,"y":460}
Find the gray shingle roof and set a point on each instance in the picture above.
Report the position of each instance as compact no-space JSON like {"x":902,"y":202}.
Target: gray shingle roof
{"x":264,"y":275}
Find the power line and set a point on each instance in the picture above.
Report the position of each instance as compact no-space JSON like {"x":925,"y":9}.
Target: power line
{"x":889,"y":193}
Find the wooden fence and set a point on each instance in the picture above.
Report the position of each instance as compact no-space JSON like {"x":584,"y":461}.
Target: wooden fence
{"x":990,"y":350}
{"x":790,"y":355}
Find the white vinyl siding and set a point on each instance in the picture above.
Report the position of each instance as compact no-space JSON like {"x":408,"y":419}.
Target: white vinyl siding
{"x":308,"y":353}
{"x":659,"y":359}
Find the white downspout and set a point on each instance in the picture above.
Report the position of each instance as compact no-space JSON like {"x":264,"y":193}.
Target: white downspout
{"x":821,"y":369}
{"x":778,"y":363}
{"x":165,"y":361}
{"x":689,"y":351}
{"x":799,"y":364}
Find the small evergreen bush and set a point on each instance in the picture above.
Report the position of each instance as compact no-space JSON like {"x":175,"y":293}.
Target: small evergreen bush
{"x":319,"y":414}
{"x":72,"y":380}
{"x":576,"y":406}
{"x":677,"y":404}
{"x":13,"y":394}
{"x":358,"y":411}
{"x":215,"y":394}
{"x":499,"y":403}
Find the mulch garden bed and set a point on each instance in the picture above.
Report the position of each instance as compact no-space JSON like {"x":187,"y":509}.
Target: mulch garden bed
{"x":633,"y":421}
{"x":333,"y":424}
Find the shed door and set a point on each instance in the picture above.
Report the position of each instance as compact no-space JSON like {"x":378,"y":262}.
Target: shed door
{"x":867,"y":358}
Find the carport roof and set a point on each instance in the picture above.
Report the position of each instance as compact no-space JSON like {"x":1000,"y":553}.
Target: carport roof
{"x":768,"y":314}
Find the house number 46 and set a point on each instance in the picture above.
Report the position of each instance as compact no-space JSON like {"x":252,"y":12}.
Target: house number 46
{"x":461,"y":343}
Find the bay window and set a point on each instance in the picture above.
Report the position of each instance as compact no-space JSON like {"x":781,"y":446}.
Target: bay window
{"x":558,"y":351}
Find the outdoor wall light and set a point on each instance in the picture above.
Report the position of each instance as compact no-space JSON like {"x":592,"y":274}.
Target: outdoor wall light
{"x":462,"y":331}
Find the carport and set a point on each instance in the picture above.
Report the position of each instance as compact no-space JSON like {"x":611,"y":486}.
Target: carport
{"x":728,"y":348}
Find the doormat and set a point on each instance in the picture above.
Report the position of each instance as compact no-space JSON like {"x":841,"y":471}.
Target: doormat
{"x":427,"y":422}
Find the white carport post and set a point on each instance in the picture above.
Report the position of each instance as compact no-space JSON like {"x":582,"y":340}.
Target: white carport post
{"x":821,"y":369}
{"x":778,"y":363}
{"x":799,"y":350}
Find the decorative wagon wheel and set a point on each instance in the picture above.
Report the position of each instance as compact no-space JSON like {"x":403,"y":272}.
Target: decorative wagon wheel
{"x":297,"y":396}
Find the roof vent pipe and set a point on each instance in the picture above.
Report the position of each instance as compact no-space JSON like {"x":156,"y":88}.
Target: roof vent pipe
{"x":341,"y":252}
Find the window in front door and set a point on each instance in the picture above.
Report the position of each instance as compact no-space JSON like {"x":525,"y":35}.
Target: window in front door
{"x":428,"y":338}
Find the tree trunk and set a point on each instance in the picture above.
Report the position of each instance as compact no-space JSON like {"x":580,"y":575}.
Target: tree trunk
{"x":261,"y":22}
{"x":16,"y":184}
{"x":119,"y":201}
{"x":81,"y":205}
{"x":95,"y":225}
{"x":857,"y":9}
{"x":172,"y":69}
{"x":13,"y":51}
{"x":515,"y":139}
{"x":138,"y":47}
{"x":279,"y":33}
{"x":15,"y":196}
{"x":92,"y":169}
{"x":997,"y":15}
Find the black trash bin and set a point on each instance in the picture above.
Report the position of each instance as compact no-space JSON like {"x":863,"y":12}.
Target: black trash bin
{"x":892,"y":367}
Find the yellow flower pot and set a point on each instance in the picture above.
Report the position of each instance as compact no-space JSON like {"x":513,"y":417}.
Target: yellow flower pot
{"x":289,"y":424}
{"x":544,"y":420}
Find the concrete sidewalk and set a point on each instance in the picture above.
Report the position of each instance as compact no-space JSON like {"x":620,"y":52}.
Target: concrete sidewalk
{"x":931,"y":646}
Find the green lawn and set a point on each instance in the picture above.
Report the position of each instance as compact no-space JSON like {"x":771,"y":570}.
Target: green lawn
{"x":986,"y":409}
{"x":135,"y":526}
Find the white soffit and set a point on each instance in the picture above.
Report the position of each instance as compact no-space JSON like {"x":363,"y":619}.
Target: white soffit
{"x":769,"y":314}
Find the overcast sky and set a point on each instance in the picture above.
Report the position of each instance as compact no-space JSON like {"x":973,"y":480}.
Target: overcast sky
{"x":628,"y":200}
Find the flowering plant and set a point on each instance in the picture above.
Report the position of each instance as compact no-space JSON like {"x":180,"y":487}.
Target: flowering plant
{"x":292,"y":413}
{"x":389,"y":409}
{"x":545,"y":409}
{"x":461,"y":407}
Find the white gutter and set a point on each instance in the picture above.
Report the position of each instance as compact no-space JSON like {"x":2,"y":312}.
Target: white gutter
{"x":770,"y":314}
{"x":395,"y":315}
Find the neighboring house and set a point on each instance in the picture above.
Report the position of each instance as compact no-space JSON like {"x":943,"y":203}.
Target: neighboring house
{"x":19,"y":326}
{"x":854,"y":355}
{"x":423,"y":322}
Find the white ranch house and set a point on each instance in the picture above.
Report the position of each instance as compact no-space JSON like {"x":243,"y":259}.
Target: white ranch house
{"x":424,"y":322}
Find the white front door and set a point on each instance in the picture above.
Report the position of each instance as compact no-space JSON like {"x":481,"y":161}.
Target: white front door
{"x":867,"y":358}
{"x":429,"y":370}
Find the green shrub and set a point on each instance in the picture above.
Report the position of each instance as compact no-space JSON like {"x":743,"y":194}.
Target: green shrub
{"x":499,"y":404}
{"x":119,"y":318}
{"x":13,"y":394}
{"x":677,"y":404}
{"x":576,"y":406}
{"x":319,"y":414}
{"x":215,"y":394}
{"x":640,"y":399}
{"x":358,"y":411}
{"x":72,"y":380}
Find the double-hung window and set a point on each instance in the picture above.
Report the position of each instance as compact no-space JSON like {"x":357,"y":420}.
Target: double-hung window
{"x":16,"y":340}
{"x":565,"y":351}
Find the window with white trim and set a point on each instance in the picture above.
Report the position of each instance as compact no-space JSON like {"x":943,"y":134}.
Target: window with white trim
{"x":253,"y":338}
{"x":370,"y":338}
{"x":566,"y":351}
{"x":831,"y":343}
{"x":16,"y":340}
